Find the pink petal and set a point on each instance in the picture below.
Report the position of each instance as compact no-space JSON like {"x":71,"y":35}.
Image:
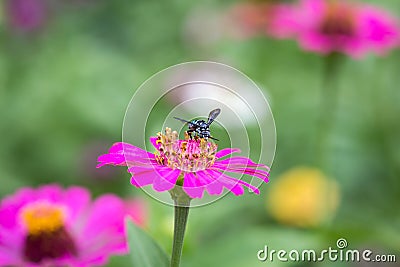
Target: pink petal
{"x":123,"y":154}
{"x":111,"y":159}
{"x":234,"y":185}
{"x":165,"y":179}
{"x":126,"y":148}
{"x":52,"y":192}
{"x":283,"y":23}
{"x":137,"y":209}
{"x":228,"y":183}
{"x":10,"y":206}
{"x":192,"y":187}
{"x":162,"y":178}
{"x":142,"y":176}
{"x":153,"y":141}
{"x":226,"y":151}
{"x":11,"y":243}
{"x":251,"y":187}
{"x":104,"y":227}
{"x":243,"y":161}
{"x":9,"y":258}
{"x":213,"y":186}
{"x":77,"y":199}
{"x":263,"y":175}
{"x":379,"y":27}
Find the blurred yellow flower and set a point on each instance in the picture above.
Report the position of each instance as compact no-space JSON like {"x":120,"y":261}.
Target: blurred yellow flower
{"x":303,"y":197}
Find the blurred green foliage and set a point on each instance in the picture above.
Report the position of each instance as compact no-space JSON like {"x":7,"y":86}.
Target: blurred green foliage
{"x":64,"y":90}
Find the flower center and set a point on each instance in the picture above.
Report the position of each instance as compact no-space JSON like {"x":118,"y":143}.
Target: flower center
{"x":338,"y":20}
{"x":47,"y":237}
{"x":189,"y":155}
{"x":41,"y":217}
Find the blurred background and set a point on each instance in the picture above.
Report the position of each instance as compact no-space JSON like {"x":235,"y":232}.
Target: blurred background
{"x":68,"y":69}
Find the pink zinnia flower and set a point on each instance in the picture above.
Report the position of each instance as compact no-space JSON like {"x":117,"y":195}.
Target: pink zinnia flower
{"x":26,"y":15}
{"x":249,"y":19}
{"x":193,"y":163}
{"x":336,"y":26}
{"x":51,"y":226}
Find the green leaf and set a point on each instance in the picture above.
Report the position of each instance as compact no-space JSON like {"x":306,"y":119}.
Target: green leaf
{"x":144,"y":251}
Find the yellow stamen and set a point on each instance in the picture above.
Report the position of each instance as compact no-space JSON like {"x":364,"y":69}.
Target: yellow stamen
{"x":188,"y":155}
{"x":42,"y":217}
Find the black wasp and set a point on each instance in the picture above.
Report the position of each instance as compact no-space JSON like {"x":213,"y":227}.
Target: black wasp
{"x":200,"y":127}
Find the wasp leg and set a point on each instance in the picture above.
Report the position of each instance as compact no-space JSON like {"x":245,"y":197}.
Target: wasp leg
{"x":213,"y":138}
{"x":189,"y":132}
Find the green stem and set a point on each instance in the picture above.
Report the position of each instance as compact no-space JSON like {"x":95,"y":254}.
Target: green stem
{"x":182,"y":205}
{"x":328,"y":104}
{"x":181,"y":215}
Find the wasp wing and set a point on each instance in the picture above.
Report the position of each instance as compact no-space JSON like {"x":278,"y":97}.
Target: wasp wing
{"x":213,"y":114}
{"x":182,"y":120}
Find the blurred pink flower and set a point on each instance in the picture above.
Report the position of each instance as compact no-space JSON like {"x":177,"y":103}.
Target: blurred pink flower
{"x":336,"y":26}
{"x":26,"y":15}
{"x":195,"y":164}
{"x":51,"y":226}
{"x":248,"y":19}
{"x":136,"y":208}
